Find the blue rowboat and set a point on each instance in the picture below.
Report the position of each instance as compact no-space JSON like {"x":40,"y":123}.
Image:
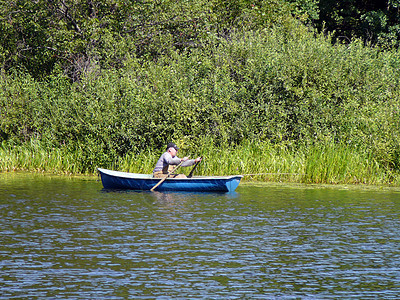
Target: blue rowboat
{"x":133,"y":181}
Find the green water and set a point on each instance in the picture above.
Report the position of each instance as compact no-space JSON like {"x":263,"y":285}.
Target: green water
{"x":67,"y":238}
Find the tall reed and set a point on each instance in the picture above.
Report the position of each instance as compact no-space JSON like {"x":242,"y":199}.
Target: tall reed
{"x":258,"y":161}
{"x":261,"y":161}
{"x":33,"y":157}
{"x":336,"y":164}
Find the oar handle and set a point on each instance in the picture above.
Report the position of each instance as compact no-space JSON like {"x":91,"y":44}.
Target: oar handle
{"x":191,"y":172}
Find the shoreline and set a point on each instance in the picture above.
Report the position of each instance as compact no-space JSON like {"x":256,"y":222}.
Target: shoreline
{"x":246,"y":183}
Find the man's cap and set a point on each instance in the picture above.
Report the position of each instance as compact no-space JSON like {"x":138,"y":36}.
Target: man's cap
{"x":173,"y":146}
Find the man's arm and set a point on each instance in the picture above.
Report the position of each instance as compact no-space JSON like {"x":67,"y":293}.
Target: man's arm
{"x":168,"y":159}
{"x":188,"y":163}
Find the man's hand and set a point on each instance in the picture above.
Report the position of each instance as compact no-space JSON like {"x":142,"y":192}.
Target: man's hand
{"x":197,"y":159}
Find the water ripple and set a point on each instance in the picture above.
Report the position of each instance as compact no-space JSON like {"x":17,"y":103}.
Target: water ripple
{"x":72,"y":240}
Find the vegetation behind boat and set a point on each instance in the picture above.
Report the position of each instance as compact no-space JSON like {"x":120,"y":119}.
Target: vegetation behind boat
{"x":279,"y":98}
{"x":332,"y":163}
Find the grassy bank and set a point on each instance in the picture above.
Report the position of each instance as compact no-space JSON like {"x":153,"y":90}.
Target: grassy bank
{"x":329,"y":164}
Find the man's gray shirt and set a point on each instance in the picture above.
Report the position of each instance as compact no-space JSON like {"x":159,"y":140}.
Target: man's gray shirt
{"x":166,"y":159}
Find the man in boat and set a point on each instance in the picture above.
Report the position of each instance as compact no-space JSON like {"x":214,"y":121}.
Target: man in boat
{"x":168,"y":160}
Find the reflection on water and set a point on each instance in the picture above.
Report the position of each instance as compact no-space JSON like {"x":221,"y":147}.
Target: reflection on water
{"x":68,"y":238}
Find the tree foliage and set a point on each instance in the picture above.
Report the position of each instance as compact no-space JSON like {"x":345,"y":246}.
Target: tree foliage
{"x":84,"y":36}
{"x":376,"y":22}
{"x":106,"y":79}
{"x":81,"y":36}
{"x":284,"y":87}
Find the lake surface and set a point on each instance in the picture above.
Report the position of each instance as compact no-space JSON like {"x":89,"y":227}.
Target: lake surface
{"x":67,"y":238}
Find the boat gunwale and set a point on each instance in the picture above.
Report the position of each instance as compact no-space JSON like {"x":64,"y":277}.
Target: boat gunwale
{"x":139,"y":176}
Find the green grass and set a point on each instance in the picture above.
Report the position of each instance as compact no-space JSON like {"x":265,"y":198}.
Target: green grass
{"x":33,"y":158}
{"x":320,"y":164}
{"x":337,"y":164}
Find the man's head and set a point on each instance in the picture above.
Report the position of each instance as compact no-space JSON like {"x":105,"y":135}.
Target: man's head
{"x":172,"y":148}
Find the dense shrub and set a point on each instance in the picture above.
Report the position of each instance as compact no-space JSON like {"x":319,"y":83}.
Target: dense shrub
{"x":288,"y":87}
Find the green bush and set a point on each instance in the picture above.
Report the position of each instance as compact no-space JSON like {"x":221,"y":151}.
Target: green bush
{"x":287,"y":86}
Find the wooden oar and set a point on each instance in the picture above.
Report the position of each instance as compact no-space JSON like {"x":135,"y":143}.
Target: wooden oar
{"x":191,"y":172}
{"x":169,"y":173}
